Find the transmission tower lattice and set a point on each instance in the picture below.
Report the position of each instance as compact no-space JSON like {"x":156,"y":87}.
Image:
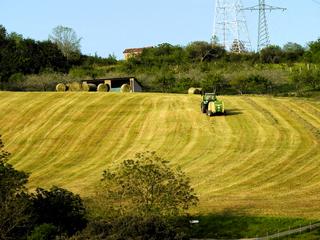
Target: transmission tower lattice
{"x":230,"y":26}
{"x":263,"y":33}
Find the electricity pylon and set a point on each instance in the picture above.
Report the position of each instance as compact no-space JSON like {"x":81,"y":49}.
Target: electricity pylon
{"x":230,"y":26}
{"x":263,"y":33}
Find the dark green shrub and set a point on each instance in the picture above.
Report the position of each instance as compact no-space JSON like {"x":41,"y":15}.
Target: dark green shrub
{"x":61,"y":208}
{"x":271,"y":54}
{"x":15,"y":217}
{"x":307,"y":78}
{"x":43,"y":232}
{"x":148,"y":228}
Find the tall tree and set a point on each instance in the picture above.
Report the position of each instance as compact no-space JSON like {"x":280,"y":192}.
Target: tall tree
{"x":293,"y":51}
{"x":61,"y":208}
{"x":313,"y":53}
{"x":68,"y":42}
{"x":271,"y":54}
{"x":145,"y":186}
{"x":197,"y":50}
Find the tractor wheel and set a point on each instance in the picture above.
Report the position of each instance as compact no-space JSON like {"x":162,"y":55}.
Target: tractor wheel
{"x":203,"y":108}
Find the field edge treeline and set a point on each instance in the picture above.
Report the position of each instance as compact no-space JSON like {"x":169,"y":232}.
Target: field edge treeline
{"x":291,"y":69}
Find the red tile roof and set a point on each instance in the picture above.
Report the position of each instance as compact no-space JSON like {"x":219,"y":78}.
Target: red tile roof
{"x":134,"y":50}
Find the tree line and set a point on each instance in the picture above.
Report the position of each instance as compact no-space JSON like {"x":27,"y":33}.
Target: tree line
{"x":28,"y":65}
{"x":20,"y":57}
{"x":273,"y":70}
{"x":27,"y":56}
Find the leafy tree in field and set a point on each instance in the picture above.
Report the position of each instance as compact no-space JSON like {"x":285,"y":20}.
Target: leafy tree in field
{"x":259,"y":84}
{"x":216,"y":52}
{"x":197,"y":50}
{"x":165,"y":49}
{"x":162,"y":55}
{"x":14,"y":203}
{"x":67,"y":41}
{"x":61,"y":208}
{"x":271,"y":54}
{"x":145,"y":186}
{"x":293,"y":51}
{"x":143,"y":199}
{"x":313,"y":53}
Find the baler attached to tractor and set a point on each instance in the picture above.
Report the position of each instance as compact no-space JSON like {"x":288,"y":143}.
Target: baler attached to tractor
{"x":211,"y":105}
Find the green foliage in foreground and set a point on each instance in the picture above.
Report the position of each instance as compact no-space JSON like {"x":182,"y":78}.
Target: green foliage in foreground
{"x":139,"y":228}
{"x":44,"y":231}
{"x":14,"y":203}
{"x":22,"y":212}
{"x":145,"y":186}
{"x":142,"y":199}
{"x":61,"y":208}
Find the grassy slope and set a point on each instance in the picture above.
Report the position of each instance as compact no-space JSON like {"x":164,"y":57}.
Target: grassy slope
{"x":263,"y":158}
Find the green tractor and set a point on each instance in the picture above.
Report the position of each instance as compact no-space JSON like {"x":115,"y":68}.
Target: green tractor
{"x":211,"y":105}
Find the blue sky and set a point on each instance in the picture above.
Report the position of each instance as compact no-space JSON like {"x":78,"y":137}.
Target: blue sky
{"x":110,"y":26}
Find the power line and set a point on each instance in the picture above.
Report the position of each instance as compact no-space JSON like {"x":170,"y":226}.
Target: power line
{"x":230,"y":26}
{"x":263,"y":32}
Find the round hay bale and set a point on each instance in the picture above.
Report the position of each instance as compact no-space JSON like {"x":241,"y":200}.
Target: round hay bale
{"x":61,"y":87}
{"x":89,"y":87}
{"x":125,"y":88}
{"x":194,"y":90}
{"x":75,"y":87}
{"x":191,"y":90}
{"x":102,"y":87}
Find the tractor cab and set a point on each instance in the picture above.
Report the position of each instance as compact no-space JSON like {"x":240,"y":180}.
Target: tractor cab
{"x":211,"y":105}
{"x":208,"y":97}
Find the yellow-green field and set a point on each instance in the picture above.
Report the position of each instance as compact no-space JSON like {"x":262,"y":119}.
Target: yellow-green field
{"x":262,"y":158}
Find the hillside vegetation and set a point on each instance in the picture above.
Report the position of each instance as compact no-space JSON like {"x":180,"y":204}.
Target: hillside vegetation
{"x":262,"y":158}
{"x":282,"y":71}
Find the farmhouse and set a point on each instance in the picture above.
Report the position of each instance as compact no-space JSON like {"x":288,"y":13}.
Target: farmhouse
{"x":132,"y":52}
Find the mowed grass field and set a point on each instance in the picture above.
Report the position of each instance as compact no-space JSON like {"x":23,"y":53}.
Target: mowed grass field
{"x":262,"y":158}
